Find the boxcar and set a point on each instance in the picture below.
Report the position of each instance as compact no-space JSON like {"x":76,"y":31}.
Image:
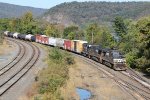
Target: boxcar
{"x":79,"y":48}
{"x":52,"y":41}
{"x":60,"y":42}
{"x":73,"y":45}
{"x":15,"y":35}
{"x":44,"y":39}
{"x":38,"y":38}
{"x":67,"y":44}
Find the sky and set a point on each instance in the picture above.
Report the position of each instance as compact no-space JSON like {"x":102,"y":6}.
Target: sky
{"x":51,"y":3}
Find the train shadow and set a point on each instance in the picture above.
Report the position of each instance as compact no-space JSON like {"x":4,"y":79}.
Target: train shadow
{"x":147,"y":76}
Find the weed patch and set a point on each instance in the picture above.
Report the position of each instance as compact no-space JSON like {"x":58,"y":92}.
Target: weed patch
{"x":52,"y":78}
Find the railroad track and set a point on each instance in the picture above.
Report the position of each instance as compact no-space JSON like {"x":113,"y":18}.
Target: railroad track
{"x":23,"y":69}
{"x":131,"y":74}
{"x":129,"y":84}
{"x":19,"y":51}
{"x":16,"y":59}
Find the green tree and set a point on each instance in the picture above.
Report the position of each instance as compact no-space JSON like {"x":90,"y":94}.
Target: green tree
{"x":51,"y":31}
{"x":71,"y":32}
{"x":91,"y":32}
{"x":136,"y":44}
{"x":14,"y":25}
{"x":120,"y":27}
{"x":4,"y":24}
{"x":28,"y":24}
{"x":131,"y":39}
{"x":143,"y":62}
{"x":101,"y":35}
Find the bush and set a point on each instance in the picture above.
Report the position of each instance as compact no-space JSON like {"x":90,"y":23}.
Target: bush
{"x":1,"y":38}
{"x":52,"y":78}
{"x":55,"y":55}
{"x":58,"y":56}
{"x":131,"y":59}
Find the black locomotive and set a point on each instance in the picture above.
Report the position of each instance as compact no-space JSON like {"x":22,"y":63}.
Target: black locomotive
{"x":109,"y":57}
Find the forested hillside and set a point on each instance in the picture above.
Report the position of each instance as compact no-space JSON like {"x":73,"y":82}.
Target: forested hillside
{"x":86,"y":12}
{"x":9,"y":10}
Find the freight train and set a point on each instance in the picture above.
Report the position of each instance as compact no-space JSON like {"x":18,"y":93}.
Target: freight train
{"x":109,"y":57}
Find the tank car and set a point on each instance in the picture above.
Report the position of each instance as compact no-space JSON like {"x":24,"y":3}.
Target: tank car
{"x":10,"y":34}
{"x":15,"y":35}
{"x":21,"y":36}
{"x":28,"y":37}
{"x":6,"y":33}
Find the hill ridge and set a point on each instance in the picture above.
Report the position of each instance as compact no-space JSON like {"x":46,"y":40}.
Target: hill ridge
{"x":11,"y":10}
{"x":86,"y":12}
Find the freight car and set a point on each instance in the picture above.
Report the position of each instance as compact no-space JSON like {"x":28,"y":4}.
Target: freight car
{"x":30,"y":37}
{"x":6,"y":33}
{"x":10,"y":34}
{"x":52,"y":41}
{"x":33,"y":38}
{"x":15,"y":35}
{"x":78,"y":46}
{"x":60,"y":42}
{"x":22,"y":36}
{"x":67,"y":45}
{"x":38,"y":38}
{"x":44,"y":39}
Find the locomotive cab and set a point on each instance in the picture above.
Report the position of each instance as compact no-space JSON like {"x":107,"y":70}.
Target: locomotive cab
{"x":119,"y":62}
{"x":115,"y":59}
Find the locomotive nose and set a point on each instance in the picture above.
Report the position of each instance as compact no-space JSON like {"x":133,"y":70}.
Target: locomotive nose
{"x":119,"y":60}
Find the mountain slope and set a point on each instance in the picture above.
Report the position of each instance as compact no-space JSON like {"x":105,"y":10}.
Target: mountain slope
{"x":85,"y":12}
{"x":10,"y":10}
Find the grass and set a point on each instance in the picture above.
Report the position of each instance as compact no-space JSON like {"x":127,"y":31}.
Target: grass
{"x":54,"y":76}
{"x":1,"y":38}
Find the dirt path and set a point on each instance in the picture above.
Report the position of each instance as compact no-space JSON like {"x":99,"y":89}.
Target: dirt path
{"x":87,"y":77}
{"x":7,"y":52}
{"x":33,"y":73}
{"x":23,"y":85}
